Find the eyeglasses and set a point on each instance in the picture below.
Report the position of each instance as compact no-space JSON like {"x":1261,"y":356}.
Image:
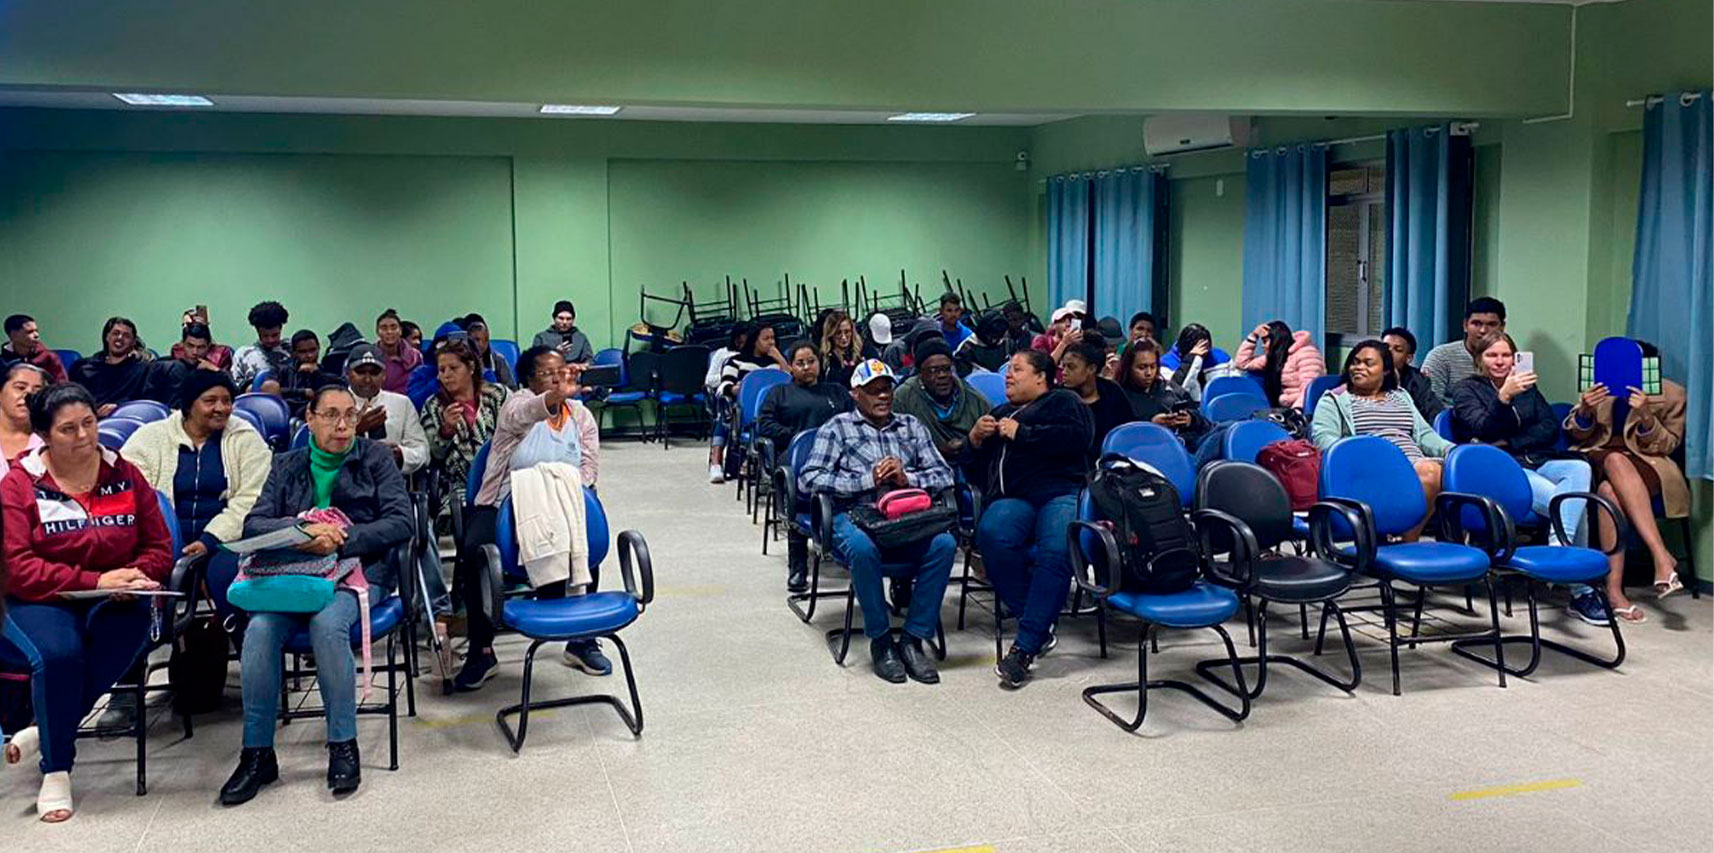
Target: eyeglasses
{"x":939,"y":370}
{"x":338,"y":418}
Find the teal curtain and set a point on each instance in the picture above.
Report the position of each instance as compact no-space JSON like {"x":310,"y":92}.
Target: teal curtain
{"x":1125,"y":229}
{"x":1285,"y":238}
{"x":1067,"y":240}
{"x":1429,"y":189}
{"x":1672,"y":273}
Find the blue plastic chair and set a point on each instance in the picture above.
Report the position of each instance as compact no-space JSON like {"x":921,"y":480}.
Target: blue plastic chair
{"x":424,"y":382}
{"x":1245,"y":439}
{"x":992,"y":386}
{"x":1094,"y":569}
{"x":1232,"y":406}
{"x":113,"y":432}
{"x":1236,"y":384}
{"x":1317,"y":387}
{"x":145,"y":411}
{"x":1486,"y":470}
{"x":300,"y":438}
{"x":1562,"y":440}
{"x":795,"y":511}
{"x":275,"y":415}
{"x":579,"y":617}
{"x":622,"y":394}
{"x":1443,"y":425}
{"x":256,"y":383}
{"x":68,"y":357}
{"x":1371,"y":475}
{"x":752,"y":390}
{"x":249,"y":417}
{"x":1005,"y":367}
{"x":1157,"y":447}
{"x":508,"y":350}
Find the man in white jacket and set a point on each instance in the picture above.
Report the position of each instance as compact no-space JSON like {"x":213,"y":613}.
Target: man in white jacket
{"x":386,"y":417}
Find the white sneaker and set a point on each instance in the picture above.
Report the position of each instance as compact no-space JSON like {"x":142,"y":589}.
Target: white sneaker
{"x":715,"y":474}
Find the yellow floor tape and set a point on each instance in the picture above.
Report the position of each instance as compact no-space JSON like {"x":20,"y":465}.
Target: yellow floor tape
{"x":1508,"y":790}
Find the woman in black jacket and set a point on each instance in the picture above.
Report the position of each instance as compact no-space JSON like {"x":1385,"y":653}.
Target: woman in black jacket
{"x":1080,"y":373}
{"x":804,"y":403}
{"x":1035,"y":447}
{"x":1501,"y":406}
{"x":356,"y":476}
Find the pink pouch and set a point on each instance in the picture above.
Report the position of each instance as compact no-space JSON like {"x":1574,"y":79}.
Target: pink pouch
{"x":902,"y":502}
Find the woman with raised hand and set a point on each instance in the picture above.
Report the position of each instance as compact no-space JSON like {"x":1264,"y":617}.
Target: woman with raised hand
{"x":77,"y":518}
{"x":1288,"y":361}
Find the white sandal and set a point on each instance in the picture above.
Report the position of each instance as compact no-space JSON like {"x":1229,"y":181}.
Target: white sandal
{"x":55,"y":797}
{"x":1668,"y":586}
{"x":26,"y":742}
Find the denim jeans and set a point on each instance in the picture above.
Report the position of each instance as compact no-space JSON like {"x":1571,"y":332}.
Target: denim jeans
{"x":1024,"y":548}
{"x":1556,"y":477}
{"x":263,"y":666}
{"x":75,"y":651}
{"x":927,"y":563}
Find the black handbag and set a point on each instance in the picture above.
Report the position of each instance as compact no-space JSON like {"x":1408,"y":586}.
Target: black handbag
{"x":909,"y":529}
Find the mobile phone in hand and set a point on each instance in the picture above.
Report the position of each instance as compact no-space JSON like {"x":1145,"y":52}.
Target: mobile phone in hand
{"x":1525,"y":363}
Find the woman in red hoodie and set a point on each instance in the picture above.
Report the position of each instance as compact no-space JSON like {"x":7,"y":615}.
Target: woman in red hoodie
{"x":76,"y":517}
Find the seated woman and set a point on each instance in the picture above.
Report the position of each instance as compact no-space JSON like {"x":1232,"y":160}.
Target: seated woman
{"x":1502,"y":407}
{"x":802,"y":404}
{"x":1369,"y":402}
{"x":76,"y":517}
{"x":757,"y":353}
{"x":16,"y":436}
{"x":1156,"y":398}
{"x":459,"y":418}
{"x":841,"y":349}
{"x":1080,"y":373}
{"x":1035,"y":449}
{"x":1635,"y":466}
{"x":357,"y":477}
{"x":1193,"y":356}
{"x":211,"y":466}
{"x":1287,"y":362}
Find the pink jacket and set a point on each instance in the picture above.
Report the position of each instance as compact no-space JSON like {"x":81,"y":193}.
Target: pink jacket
{"x":1302,"y":365}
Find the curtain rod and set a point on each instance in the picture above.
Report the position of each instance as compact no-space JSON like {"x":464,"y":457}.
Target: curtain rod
{"x":1686,"y":99}
{"x":1458,"y":129}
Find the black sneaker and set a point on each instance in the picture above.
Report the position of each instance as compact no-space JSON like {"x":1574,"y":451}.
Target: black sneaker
{"x":797,"y":579}
{"x":1589,"y":608}
{"x":1014,"y":669}
{"x":479,"y":667}
{"x":885,"y":654}
{"x":1052,"y":640}
{"x":917,"y":664}
{"x":257,"y":766}
{"x":344,"y":768}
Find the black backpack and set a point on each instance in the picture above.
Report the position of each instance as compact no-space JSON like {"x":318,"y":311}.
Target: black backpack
{"x":1159,"y":552}
{"x":1289,"y":419}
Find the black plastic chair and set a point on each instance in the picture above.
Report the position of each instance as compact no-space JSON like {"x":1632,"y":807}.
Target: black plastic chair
{"x":1244,"y":512}
{"x":679,"y":386}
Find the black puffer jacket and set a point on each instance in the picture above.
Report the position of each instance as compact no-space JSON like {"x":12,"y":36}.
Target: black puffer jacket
{"x":1049,"y":457}
{"x":369,"y":490}
{"x":1526,"y":428}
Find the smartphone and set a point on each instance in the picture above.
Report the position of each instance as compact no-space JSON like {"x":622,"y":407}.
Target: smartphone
{"x":1525,"y":363}
{"x":1651,"y":376}
{"x":597,"y":377}
{"x":1585,"y":372}
{"x":1076,"y":324}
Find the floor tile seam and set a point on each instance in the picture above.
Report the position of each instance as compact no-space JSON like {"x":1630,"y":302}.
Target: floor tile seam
{"x":612,"y":793}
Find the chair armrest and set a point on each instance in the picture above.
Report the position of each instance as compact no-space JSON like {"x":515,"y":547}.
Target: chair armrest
{"x":404,"y":560}
{"x":634,"y":550}
{"x":976,"y":507}
{"x":493,"y":585}
{"x":186,"y":578}
{"x":824,"y":512}
{"x":1606,"y":506}
{"x":765,"y":451}
{"x":1364,"y":538}
{"x":785,"y":494}
{"x":1082,"y":570}
{"x":1244,"y":545}
{"x":1321,"y":516}
{"x":1502,"y":536}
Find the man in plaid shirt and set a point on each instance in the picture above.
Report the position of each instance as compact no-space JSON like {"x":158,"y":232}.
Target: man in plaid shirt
{"x":856,"y":456}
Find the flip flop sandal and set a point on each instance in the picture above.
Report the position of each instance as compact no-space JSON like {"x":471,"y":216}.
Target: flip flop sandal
{"x":55,"y":798}
{"x":1664,"y":588}
{"x":1625,"y":614}
{"x":25,"y":744}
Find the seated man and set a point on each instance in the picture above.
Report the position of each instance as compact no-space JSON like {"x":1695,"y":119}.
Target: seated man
{"x":1402,"y":344}
{"x":167,"y":376}
{"x":24,"y":343}
{"x":298,"y":383}
{"x":945,"y":404}
{"x":385,"y":416}
{"x":952,"y":327}
{"x":1448,"y":364}
{"x":119,"y":373}
{"x":987,"y":348}
{"x":856,"y":456}
{"x":268,"y":352}
{"x":476,"y":329}
{"x":542,"y":422}
{"x":564,"y":336}
{"x":219,"y":355}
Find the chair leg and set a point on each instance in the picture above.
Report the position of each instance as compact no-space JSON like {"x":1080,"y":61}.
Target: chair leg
{"x":844,"y":634}
{"x":1261,"y":659}
{"x":1687,"y":566}
{"x":963,"y":589}
{"x":1303,"y":620}
{"x":632,"y":717}
{"x":1465,"y":648}
{"x":803,"y":603}
{"x":141,"y":721}
{"x":392,"y":702}
{"x":1143,"y":684}
{"x":1388,"y":608}
{"x":522,"y":709}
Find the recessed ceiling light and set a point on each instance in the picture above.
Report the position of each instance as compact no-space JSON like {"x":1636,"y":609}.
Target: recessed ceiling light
{"x":930,"y":117}
{"x":137,"y":99}
{"x":577,"y":110}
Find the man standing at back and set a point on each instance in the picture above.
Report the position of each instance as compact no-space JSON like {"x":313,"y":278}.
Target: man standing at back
{"x":858,"y":456}
{"x":268,"y":353}
{"x":385,"y":416}
{"x":1448,"y":363}
{"x":24,"y":343}
{"x":564,"y":336}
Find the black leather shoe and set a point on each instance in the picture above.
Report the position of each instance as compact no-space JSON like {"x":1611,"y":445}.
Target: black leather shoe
{"x":344,"y":768}
{"x":797,"y":579}
{"x":256,"y":767}
{"x":917,"y":664}
{"x":885,"y":653}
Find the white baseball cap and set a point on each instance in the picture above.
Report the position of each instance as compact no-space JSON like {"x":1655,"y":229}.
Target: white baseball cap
{"x":881,"y":329}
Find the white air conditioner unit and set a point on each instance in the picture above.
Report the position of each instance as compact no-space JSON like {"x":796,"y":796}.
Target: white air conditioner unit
{"x":1175,"y":133}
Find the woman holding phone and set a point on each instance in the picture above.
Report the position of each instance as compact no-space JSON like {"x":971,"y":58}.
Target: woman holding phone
{"x":1634,"y":466}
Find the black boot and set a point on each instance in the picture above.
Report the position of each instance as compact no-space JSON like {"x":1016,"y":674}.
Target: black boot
{"x":344,"y":768}
{"x":257,"y":766}
{"x":797,"y":563}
